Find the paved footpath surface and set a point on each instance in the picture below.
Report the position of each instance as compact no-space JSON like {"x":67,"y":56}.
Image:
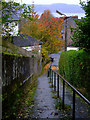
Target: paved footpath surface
{"x":44,"y":103}
{"x":44,"y":106}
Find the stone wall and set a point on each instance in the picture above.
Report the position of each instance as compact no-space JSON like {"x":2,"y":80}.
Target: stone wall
{"x":17,"y":70}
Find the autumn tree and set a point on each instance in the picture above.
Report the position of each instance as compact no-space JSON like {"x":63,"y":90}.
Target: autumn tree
{"x":30,"y":26}
{"x":46,"y":29}
{"x":50,"y":34}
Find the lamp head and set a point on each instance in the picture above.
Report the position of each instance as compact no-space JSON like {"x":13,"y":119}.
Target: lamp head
{"x":59,"y":12}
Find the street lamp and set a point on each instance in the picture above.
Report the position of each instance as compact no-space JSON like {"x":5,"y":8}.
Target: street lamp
{"x":65,"y":28}
{"x":60,"y":13}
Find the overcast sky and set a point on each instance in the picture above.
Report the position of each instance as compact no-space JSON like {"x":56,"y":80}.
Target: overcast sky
{"x":50,"y":1}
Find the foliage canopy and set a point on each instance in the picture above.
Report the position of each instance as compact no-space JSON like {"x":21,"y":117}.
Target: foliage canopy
{"x":47,"y":29}
{"x":75,"y":67}
{"x":9,"y":10}
{"x":81,"y":36}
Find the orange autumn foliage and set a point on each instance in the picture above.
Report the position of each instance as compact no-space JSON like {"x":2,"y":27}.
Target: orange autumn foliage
{"x":47,"y":29}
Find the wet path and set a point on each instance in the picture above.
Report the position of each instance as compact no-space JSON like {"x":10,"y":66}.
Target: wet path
{"x":44,"y":106}
{"x":44,"y":103}
{"x":82,"y":110}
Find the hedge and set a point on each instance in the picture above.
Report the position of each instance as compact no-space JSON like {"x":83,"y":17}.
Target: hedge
{"x":75,"y":67}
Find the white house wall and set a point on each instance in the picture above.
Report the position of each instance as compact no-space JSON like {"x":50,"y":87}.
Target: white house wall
{"x":14,"y":28}
{"x":27,"y":48}
{"x":72,"y":48}
{"x":30,"y":48}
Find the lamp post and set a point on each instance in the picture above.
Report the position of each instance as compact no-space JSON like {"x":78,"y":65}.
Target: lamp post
{"x":65,"y":28}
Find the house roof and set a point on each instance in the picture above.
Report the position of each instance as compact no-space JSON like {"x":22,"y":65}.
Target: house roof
{"x":25,"y":40}
{"x":13,"y":17}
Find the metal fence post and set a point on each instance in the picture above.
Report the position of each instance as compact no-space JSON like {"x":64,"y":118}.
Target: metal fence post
{"x":73,"y":105}
{"x":63,"y":94}
{"x":52,"y":78}
{"x":48,"y":73}
{"x":58,"y":86}
{"x":54,"y":81}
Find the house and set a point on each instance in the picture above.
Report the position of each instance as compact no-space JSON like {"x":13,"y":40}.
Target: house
{"x":15,"y":22}
{"x":12,"y":26}
{"x":27,"y":42}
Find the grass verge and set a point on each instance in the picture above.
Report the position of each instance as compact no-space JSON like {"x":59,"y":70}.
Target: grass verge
{"x":27,"y":103}
{"x":66,"y":113}
{"x":21,"y":102}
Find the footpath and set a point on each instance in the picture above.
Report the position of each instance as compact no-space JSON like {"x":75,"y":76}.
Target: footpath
{"x":44,"y":103}
{"x":44,"y":106}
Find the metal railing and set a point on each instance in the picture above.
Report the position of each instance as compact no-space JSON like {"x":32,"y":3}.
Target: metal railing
{"x":52,"y":74}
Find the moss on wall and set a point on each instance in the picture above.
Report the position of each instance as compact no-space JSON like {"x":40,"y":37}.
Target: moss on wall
{"x":11,"y":49}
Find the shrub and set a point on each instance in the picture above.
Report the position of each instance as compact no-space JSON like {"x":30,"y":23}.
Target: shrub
{"x":75,"y":67}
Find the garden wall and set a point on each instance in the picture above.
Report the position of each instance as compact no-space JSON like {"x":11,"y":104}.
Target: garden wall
{"x":19,"y":69}
{"x":16,"y":70}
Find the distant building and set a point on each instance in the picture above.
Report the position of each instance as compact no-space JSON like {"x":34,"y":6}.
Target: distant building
{"x":70,"y":24}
